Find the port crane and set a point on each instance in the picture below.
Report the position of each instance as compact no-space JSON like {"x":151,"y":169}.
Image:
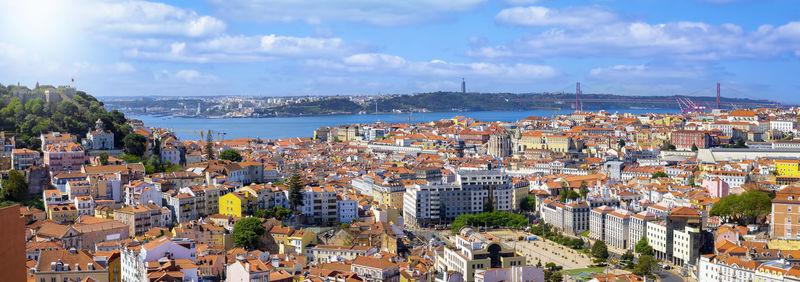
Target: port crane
{"x":555,"y":110}
{"x":203,"y":133}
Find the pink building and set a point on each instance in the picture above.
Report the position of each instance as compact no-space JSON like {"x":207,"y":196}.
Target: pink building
{"x":64,"y":157}
{"x":717,"y":188}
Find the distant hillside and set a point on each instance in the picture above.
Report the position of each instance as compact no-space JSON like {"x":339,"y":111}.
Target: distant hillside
{"x":25,"y":113}
{"x":320,"y":107}
{"x":455,"y":101}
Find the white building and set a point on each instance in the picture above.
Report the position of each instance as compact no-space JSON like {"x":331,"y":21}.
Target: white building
{"x":100,"y":139}
{"x":247,"y":270}
{"x":510,"y":274}
{"x":170,"y":154}
{"x":657,"y":238}
{"x":597,"y":222}
{"x":84,"y":205}
{"x":468,"y":194}
{"x":347,"y":208}
{"x":638,"y":227}
{"x":782,"y":125}
{"x":725,"y":269}
{"x":133,"y":262}
{"x":319,"y":204}
{"x":617,"y":228}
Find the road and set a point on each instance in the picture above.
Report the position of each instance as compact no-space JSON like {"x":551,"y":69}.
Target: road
{"x":667,"y":276}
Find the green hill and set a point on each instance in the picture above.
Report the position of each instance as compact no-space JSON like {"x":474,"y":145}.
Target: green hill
{"x":28,"y":115}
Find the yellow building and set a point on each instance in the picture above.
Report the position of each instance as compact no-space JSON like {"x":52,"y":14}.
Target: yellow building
{"x":558,"y":143}
{"x":237,"y":204}
{"x":390,"y":196}
{"x":62,"y":213}
{"x":299,"y":240}
{"x":787,"y":168}
{"x":538,"y":140}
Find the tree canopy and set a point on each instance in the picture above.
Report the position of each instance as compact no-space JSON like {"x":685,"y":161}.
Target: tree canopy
{"x":246,"y":233}
{"x":275,"y":212}
{"x":659,"y":174}
{"x":643,"y":247}
{"x":600,"y":250}
{"x":75,"y":115}
{"x":569,"y":195}
{"x":231,"y":155}
{"x":134,"y":144}
{"x":15,"y":188}
{"x":743,"y":208}
{"x":645,"y":265}
{"x":295,"y":190}
{"x":494,"y":218}
{"x":528,"y":203}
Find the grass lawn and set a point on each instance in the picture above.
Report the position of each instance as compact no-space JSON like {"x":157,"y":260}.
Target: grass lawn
{"x":588,"y":269}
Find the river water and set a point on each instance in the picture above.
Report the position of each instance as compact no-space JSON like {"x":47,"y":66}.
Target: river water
{"x":286,"y":127}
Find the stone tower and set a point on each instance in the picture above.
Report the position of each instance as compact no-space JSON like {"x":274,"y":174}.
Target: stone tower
{"x":499,"y":145}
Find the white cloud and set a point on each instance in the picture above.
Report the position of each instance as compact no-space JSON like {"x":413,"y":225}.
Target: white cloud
{"x":240,"y":48}
{"x":186,"y":76}
{"x":685,"y":40}
{"x":569,"y":17}
{"x":391,"y":64}
{"x":147,"y":18}
{"x":362,"y":11}
{"x":637,"y":72}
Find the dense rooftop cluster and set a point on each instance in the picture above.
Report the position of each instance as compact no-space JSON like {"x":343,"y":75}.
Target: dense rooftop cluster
{"x":704,"y":191}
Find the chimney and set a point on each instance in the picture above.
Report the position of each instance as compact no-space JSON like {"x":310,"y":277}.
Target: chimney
{"x":247,"y":266}
{"x":208,"y":178}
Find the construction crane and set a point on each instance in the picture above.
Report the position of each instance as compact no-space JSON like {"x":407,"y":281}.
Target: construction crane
{"x":203,"y":133}
{"x":688,"y":106}
{"x":555,"y":110}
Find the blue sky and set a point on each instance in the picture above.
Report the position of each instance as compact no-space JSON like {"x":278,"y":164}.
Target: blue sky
{"x":323,"y":47}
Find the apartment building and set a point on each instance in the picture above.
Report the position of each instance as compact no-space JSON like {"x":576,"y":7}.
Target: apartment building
{"x":597,"y":222}
{"x":685,"y":139}
{"x":134,"y":259}
{"x":347,"y":208}
{"x":319,"y":204}
{"x":68,"y":157}
{"x":182,"y":205}
{"x":331,"y":253}
{"x":376,"y":269}
{"x":206,"y":199}
{"x":238,"y":203}
{"x":22,"y":159}
{"x":638,"y":227}
{"x":141,"y":218}
{"x":57,"y":138}
{"x":432,"y":203}
{"x":726,"y":269}
{"x":250,"y":270}
{"x":617,"y":225}
{"x":68,"y":265}
{"x":786,"y":213}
